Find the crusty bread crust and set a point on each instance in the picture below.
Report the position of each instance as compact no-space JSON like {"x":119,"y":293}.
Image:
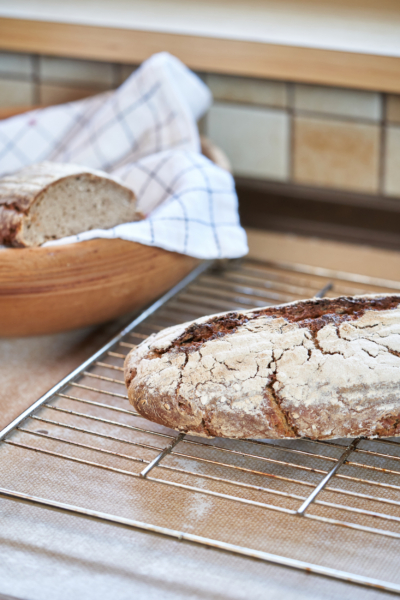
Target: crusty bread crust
{"x":320,"y":368}
{"x":20,"y":191}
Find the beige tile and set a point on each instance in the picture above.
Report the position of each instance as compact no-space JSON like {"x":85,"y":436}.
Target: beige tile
{"x":16,"y":64}
{"x":256,"y":140}
{"x":336,"y":154}
{"x":392,"y":162}
{"x":15,"y":93}
{"x":338,"y":101}
{"x":393,"y":108}
{"x":78,"y":71}
{"x":58,"y":94}
{"x":247,"y":89}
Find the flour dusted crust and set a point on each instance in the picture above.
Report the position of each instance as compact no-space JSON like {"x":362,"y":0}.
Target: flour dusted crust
{"x":51,"y":200}
{"x":321,"y":368}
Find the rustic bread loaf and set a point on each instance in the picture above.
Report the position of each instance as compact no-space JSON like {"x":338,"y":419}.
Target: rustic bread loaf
{"x":321,"y":368}
{"x":49,"y":201}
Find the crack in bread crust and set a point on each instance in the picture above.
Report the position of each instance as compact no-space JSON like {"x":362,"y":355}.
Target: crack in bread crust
{"x":289,"y":427}
{"x":316,"y":368}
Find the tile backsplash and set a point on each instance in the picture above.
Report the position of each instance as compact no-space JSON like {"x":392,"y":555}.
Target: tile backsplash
{"x":260,"y":92}
{"x":334,"y":153}
{"x":339,"y":102}
{"x":256,"y":139}
{"x":327,"y":137}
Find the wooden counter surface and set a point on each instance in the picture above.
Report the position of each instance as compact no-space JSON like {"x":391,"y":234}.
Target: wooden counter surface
{"x":63,"y":556}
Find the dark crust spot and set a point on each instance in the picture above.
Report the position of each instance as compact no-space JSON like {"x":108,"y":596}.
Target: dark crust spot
{"x":196,"y":335}
{"x":310,"y":313}
{"x":316,"y":314}
{"x":388,"y":426}
{"x":10,"y":226}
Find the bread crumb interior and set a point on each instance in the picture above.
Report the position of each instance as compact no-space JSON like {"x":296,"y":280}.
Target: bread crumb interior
{"x":77,"y":204}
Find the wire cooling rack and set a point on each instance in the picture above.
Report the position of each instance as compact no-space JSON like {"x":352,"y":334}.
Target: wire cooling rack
{"x":328,"y":507}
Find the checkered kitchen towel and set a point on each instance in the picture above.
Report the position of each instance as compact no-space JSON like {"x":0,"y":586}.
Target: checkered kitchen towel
{"x":144,"y":134}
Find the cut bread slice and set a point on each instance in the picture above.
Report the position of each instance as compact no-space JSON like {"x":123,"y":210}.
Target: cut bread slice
{"x":49,"y":201}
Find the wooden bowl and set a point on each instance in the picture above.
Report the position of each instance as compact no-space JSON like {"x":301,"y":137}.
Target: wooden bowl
{"x":48,"y":290}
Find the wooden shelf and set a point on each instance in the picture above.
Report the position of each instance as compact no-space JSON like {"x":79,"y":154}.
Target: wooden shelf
{"x":352,"y":43}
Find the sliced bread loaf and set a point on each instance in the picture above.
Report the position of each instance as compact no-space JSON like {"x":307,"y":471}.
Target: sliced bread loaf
{"x":49,"y":201}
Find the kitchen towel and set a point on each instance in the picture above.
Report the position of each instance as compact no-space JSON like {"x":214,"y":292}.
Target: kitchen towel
{"x":145,"y":135}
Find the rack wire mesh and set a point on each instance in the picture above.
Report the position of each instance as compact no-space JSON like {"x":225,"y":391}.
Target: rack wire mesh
{"x":328,"y":507}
